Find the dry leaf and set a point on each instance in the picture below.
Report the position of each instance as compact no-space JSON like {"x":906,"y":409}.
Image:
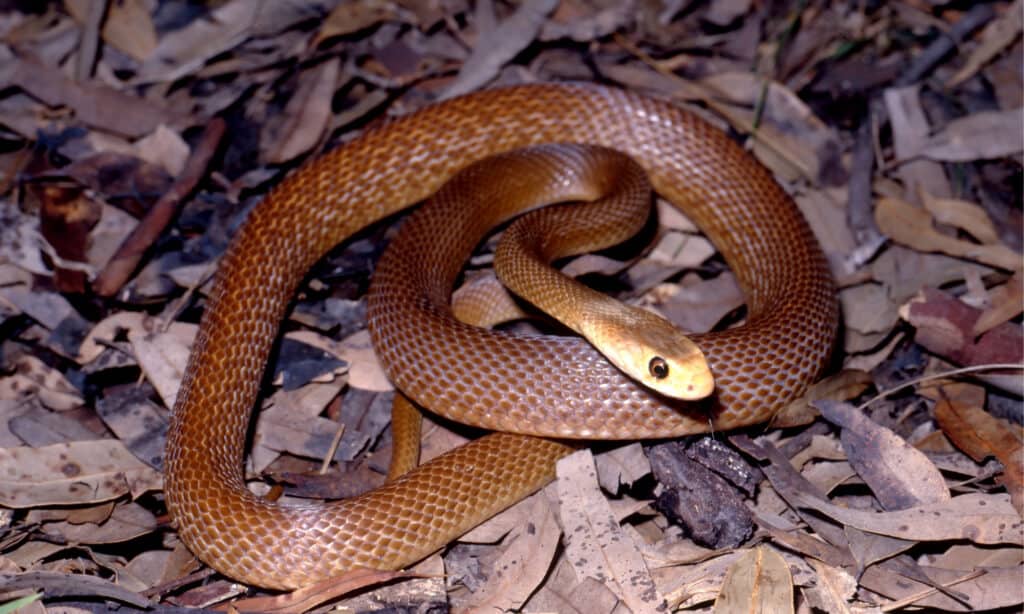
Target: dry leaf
{"x":995,"y":38}
{"x":308,"y":597}
{"x":1007,"y":302}
{"x":595,"y":543}
{"x":979,"y":136}
{"x":364,"y":370}
{"x":127,"y":26}
{"x":163,"y":356}
{"x":164,"y":148}
{"x":350,"y":17}
{"x":910,"y":129}
{"x":500,"y":46}
{"x":945,"y":326}
{"x":524,"y":563}
{"x":126,"y":522}
{"x":842,"y":386}
{"x":906,"y":224}
{"x":899,"y":475}
{"x":979,"y":434}
{"x":622,"y":465}
{"x":307,"y":114}
{"x":72,"y":474}
{"x":980,"y":518}
{"x":93,"y":103}
{"x":34,"y":377}
{"x":962,"y":214}
{"x":759,"y":581}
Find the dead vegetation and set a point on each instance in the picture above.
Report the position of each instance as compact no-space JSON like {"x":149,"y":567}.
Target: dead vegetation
{"x":136,"y":134}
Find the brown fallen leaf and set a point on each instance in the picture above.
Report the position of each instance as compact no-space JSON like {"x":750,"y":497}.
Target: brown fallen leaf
{"x":1007,"y":302}
{"x":962,"y":214}
{"x":980,"y":518}
{"x":911,"y":226}
{"x":945,"y":326}
{"x":899,"y":475}
{"x":67,"y":215}
{"x":127,"y":521}
{"x":349,"y":17}
{"x":498,"y":47}
{"x":93,"y":103}
{"x":960,"y":414}
{"x":306,"y":116}
{"x":72,"y":474}
{"x":524,"y":563}
{"x":127,"y":26}
{"x":759,"y":581}
{"x":595,"y":543}
{"x":979,"y":136}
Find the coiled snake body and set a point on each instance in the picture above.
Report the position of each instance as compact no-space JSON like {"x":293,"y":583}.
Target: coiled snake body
{"x":556,"y":387}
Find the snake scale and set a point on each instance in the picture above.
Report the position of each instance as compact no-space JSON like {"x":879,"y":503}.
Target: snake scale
{"x":553,"y":386}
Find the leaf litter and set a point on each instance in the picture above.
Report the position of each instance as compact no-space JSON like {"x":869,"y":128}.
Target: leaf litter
{"x":895,"y":126}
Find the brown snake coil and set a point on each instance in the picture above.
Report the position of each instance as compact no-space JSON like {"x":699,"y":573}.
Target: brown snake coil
{"x":557,"y":387}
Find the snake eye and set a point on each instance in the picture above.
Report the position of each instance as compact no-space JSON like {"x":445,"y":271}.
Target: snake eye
{"x":658,"y":367}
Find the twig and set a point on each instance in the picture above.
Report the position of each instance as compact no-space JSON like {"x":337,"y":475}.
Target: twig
{"x":120,"y":267}
{"x":89,"y":46}
{"x":859,"y":204}
{"x":979,"y":15}
{"x":939,"y":376}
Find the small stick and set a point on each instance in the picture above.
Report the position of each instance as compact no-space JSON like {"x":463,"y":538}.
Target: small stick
{"x":977,"y":16}
{"x":89,"y":46}
{"x":121,"y":266}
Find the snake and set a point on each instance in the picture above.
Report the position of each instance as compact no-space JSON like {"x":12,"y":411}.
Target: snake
{"x":538,"y":386}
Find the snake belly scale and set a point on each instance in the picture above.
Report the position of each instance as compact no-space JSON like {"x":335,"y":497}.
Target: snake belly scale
{"x":557,"y":387}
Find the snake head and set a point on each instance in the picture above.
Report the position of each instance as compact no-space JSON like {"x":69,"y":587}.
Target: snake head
{"x":652,"y":351}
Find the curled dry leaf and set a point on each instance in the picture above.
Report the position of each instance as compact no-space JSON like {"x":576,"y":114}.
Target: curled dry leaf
{"x":962,"y":214}
{"x":911,"y":226}
{"x":945,"y":326}
{"x":1007,"y":302}
{"x":960,"y":414}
